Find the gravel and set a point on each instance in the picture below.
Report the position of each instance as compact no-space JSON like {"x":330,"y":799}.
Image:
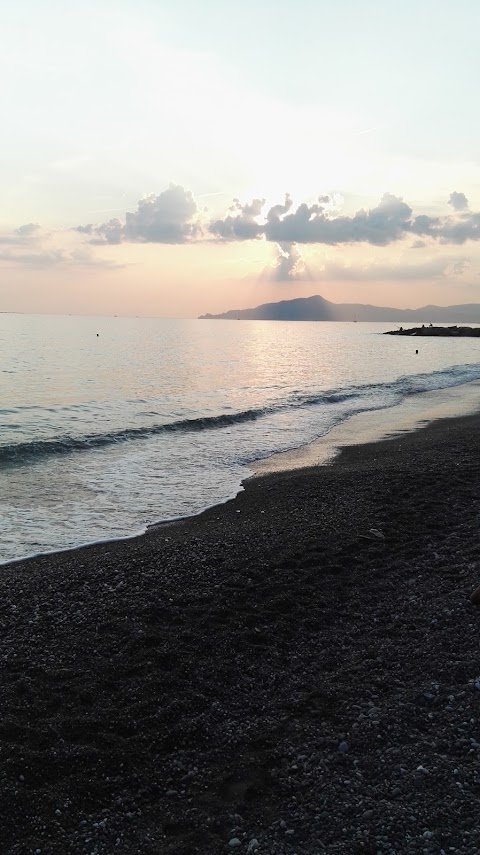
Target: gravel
{"x":279,"y":680}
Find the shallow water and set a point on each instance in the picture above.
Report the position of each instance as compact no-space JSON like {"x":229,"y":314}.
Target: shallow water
{"x":111,"y":424}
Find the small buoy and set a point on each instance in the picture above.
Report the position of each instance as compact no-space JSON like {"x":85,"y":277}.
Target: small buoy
{"x":415,"y":351}
{"x":99,"y":334}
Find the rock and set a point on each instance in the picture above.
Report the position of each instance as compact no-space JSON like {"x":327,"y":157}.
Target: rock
{"x":377,"y":533}
{"x":234,"y":842}
{"x":475,"y":597}
{"x":343,"y":747}
{"x":253,"y":845}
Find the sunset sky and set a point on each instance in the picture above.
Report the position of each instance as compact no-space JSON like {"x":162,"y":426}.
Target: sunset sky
{"x":175,"y":157}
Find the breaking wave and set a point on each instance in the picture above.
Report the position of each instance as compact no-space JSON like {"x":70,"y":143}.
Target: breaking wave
{"x":340,"y":402}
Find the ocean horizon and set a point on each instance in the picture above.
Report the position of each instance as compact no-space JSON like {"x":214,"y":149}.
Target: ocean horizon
{"x":113,"y":424}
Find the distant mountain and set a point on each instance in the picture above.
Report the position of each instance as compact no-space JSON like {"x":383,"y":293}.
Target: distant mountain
{"x":318,"y":309}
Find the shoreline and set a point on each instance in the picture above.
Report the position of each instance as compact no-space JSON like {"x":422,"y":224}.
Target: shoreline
{"x":295,"y":670}
{"x":412,"y":414}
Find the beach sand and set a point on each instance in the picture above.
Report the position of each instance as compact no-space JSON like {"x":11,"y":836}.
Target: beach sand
{"x":295,"y":671}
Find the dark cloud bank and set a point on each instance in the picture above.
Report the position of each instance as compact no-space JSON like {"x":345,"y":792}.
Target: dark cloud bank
{"x":173,"y":217}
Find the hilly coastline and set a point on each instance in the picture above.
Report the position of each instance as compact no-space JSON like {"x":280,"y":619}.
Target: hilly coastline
{"x":316,"y":308}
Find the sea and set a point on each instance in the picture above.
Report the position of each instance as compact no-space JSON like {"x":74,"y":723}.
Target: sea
{"x":109,"y":425}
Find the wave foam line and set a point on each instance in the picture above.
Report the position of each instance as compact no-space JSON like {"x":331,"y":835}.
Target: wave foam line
{"x":19,"y":453}
{"x":68,"y":444}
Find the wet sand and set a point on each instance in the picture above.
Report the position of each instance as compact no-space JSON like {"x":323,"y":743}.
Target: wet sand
{"x":294,"y":671}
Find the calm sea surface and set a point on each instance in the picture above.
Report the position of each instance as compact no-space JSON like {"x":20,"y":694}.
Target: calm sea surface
{"x":110,"y":424}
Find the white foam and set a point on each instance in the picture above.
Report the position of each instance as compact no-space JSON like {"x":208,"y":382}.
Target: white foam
{"x":412,"y":413}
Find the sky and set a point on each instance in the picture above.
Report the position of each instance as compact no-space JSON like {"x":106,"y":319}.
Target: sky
{"x":177,"y":157}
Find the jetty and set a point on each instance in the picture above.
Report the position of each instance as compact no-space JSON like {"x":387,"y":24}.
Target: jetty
{"x":430,"y":330}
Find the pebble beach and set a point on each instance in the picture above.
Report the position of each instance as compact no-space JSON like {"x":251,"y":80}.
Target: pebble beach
{"x":295,"y":671}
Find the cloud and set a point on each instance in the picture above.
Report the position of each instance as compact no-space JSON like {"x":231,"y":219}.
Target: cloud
{"x":278,"y":210}
{"x":31,"y":246}
{"x":171,"y":218}
{"x":390,"y":221}
{"x":458,"y":201}
{"x":49,"y":258}
{"x":241,"y":223}
{"x":424,"y":225}
{"x":432,"y":268}
{"x":458,"y":230}
{"x":109,"y":232}
{"x":312,"y":224}
{"x":289,"y":265}
{"x":24,"y":235}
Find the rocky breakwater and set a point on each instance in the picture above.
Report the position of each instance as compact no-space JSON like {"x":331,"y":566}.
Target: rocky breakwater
{"x":448,"y":332}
